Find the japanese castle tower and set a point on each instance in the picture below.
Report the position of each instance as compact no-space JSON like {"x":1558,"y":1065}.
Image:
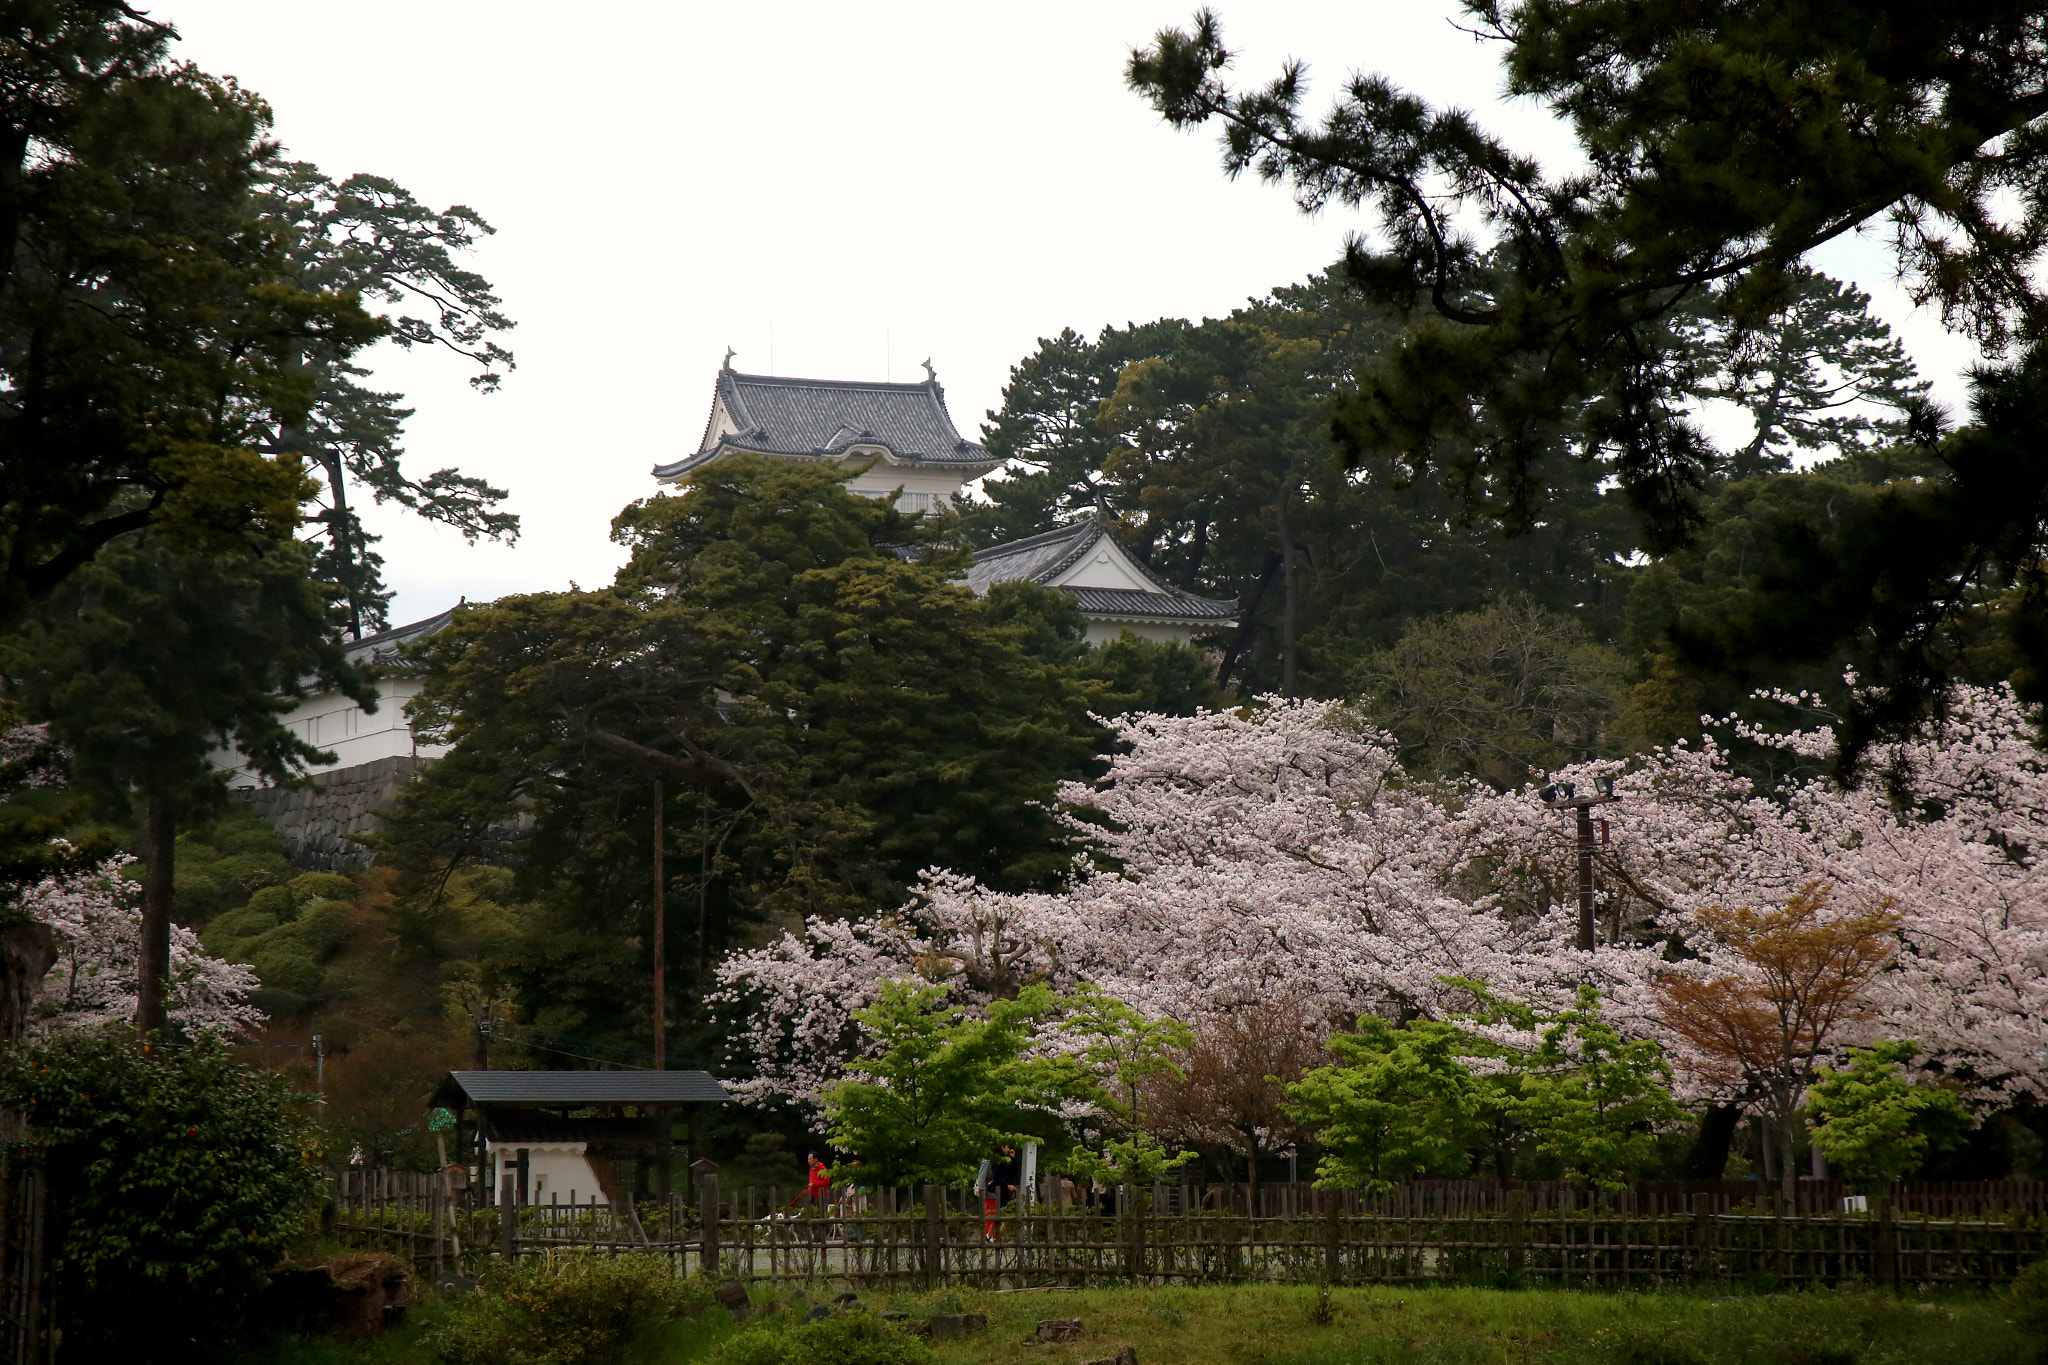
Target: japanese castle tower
{"x":903,"y":441}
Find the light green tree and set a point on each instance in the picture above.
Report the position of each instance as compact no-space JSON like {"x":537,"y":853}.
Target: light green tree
{"x":1124,"y":1051}
{"x":1874,"y":1122}
{"x":1399,"y":1102}
{"x":938,"y":1089}
{"x":1588,"y":1097}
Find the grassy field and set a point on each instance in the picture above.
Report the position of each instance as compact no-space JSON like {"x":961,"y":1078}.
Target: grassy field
{"x":1276,"y":1326}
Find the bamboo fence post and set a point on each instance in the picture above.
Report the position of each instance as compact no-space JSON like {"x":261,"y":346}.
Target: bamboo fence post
{"x":1333,"y":1245}
{"x":935,"y":1233}
{"x":1518,"y":1231}
{"x":1887,"y":1242}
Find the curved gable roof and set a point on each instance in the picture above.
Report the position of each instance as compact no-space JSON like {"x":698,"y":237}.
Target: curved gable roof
{"x":1044,"y":557}
{"x":823,"y":418}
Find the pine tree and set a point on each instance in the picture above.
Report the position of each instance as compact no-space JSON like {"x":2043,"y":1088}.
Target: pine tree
{"x":146,"y":342}
{"x":369,"y":237}
{"x":1820,"y":376}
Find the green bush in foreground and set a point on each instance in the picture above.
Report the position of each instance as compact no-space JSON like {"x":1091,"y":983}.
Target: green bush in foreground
{"x":177,"y":1178}
{"x":570,"y":1308}
{"x":2030,"y":1306}
{"x":849,"y":1339}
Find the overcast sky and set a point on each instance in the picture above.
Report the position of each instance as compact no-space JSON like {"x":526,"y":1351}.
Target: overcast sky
{"x":834,"y":190}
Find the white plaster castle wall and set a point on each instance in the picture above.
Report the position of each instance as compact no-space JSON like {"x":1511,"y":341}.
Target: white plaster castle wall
{"x":331,"y":721}
{"x":1101,"y":632}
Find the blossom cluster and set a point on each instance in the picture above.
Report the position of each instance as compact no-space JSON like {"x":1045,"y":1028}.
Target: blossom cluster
{"x":97,"y":923}
{"x":1238,"y":855}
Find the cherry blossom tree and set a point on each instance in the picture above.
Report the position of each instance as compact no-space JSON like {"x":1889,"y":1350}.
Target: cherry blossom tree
{"x":98,"y":926}
{"x":1233,"y":855}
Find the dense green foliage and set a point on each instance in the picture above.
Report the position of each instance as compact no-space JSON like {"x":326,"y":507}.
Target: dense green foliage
{"x":1874,"y":1122}
{"x":571,"y":1308}
{"x":939,"y":1090}
{"x":1408,"y":1101}
{"x":146,"y":330}
{"x":176,"y":1177}
{"x":826,"y":710}
{"x":1721,"y":144}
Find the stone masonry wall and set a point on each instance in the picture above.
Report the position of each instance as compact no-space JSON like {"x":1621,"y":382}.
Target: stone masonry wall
{"x":316,"y":819}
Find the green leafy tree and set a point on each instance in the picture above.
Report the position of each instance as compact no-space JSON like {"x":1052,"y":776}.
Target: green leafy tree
{"x":1587,"y":1097}
{"x":147,"y":340}
{"x":1499,"y":694}
{"x":177,"y":1179}
{"x":826,"y":709}
{"x":1400,"y":1102}
{"x":937,"y":1090}
{"x":1543,"y":303}
{"x":151,"y":659}
{"x":1876,"y":1124}
{"x":1128,"y":1054}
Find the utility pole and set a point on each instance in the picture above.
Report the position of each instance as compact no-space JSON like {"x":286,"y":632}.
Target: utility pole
{"x":660,"y":944}
{"x":1564,"y":796}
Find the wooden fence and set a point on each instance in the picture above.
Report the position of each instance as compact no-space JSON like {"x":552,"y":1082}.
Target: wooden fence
{"x":1449,"y":1231}
{"x":25,"y":1336}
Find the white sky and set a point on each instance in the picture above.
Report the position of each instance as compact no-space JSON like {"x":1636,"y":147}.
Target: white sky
{"x":836,"y":190}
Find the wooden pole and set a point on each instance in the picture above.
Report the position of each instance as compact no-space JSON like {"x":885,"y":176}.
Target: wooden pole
{"x":1585,"y":823}
{"x":935,"y":1232}
{"x":660,"y":941}
{"x":708,"y":1214}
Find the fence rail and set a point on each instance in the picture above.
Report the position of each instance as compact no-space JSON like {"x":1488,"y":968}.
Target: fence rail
{"x":1427,"y":1231}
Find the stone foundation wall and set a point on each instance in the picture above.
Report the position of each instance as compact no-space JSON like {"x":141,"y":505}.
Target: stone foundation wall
{"x":316,"y":819}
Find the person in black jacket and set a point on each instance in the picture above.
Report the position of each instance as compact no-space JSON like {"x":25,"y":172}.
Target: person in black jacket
{"x":999,"y":1186}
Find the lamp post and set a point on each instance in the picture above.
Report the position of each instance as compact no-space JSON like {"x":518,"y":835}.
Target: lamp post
{"x":1564,"y":796}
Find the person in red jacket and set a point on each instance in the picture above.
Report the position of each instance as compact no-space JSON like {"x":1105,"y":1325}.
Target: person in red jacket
{"x":820,"y":1183}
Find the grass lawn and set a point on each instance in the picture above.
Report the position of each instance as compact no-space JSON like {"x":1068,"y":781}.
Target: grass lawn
{"x":1274,"y":1326}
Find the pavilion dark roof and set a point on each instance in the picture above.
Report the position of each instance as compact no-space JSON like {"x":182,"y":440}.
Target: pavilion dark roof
{"x":1047,"y":555}
{"x":573,"y":1089}
{"x":821,"y":418}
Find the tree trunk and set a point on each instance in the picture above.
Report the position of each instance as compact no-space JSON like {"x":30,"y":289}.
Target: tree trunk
{"x":1290,"y":666}
{"x":27,"y":951}
{"x":1247,"y":622}
{"x":1709,"y":1155}
{"x":344,"y":544}
{"x":153,"y":971}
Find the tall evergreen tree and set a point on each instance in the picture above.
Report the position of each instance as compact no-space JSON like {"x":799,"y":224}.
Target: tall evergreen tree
{"x":146,"y":342}
{"x":148,"y":661}
{"x":1721,"y":143}
{"x":1819,"y":377}
{"x":827,"y":710}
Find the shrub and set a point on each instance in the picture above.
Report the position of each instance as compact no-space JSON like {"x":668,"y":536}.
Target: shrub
{"x":572,"y":1308}
{"x":2030,"y":1306}
{"x":176,"y":1179}
{"x":847,"y":1339}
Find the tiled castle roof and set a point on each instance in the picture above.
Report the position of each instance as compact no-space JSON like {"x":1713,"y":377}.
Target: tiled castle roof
{"x":822,"y":418}
{"x":1047,"y":555}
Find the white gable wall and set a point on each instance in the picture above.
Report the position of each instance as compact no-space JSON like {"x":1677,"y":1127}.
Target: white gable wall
{"x":1106,"y":566}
